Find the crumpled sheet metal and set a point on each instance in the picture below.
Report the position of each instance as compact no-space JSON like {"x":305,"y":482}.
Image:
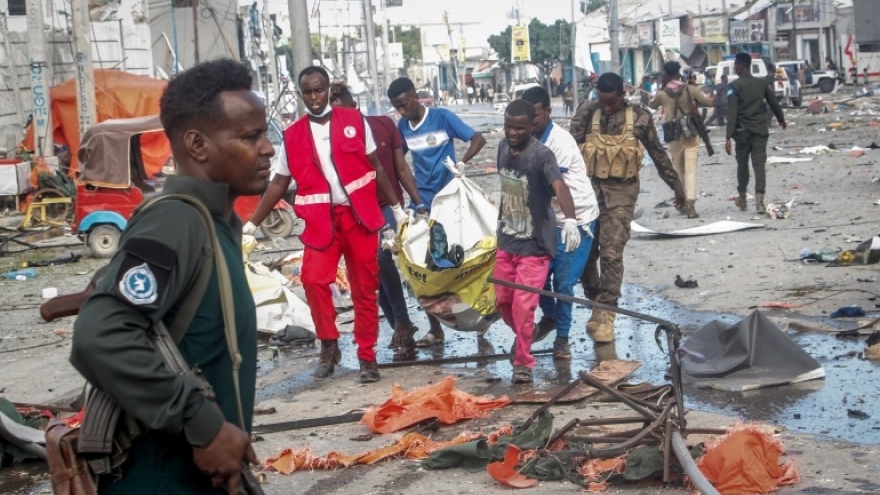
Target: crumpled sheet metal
{"x":441,"y":400}
{"x":747,"y":461}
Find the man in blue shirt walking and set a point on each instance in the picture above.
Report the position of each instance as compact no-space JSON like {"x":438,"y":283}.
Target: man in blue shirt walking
{"x":429,"y":134}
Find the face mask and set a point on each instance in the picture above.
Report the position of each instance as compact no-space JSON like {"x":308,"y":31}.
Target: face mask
{"x":326,"y":112}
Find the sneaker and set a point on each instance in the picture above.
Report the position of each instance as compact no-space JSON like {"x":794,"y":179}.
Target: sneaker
{"x":543,"y":328}
{"x":330,"y":357}
{"x":522,"y":374}
{"x":561,"y":350}
{"x":369,"y":372}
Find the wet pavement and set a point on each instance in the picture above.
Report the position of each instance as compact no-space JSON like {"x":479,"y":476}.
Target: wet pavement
{"x":815,"y":407}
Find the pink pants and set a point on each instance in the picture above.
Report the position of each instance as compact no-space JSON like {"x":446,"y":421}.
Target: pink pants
{"x":360,"y":247}
{"x":517,"y":307}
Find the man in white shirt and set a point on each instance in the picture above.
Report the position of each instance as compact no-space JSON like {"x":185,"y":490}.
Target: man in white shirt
{"x":332,"y":156}
{"x":566,"y":268}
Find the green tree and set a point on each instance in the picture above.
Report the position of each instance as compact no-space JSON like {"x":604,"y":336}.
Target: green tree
{"x":548,"y":43}
{"x":412,"y":43}
{"x":588,"y":6}
{"x":329,"y":45}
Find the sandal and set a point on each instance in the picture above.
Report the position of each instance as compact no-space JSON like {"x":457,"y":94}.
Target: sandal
{"x":402,"y":335}
{"x":522,"y":374}
{"x":406,"y":352}
{"x":429,"y":340}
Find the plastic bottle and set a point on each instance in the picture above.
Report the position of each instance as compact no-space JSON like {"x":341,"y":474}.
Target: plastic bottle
{"x":17,"y":274}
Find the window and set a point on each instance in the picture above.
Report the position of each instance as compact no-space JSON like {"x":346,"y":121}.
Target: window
{"x":17,"y":7}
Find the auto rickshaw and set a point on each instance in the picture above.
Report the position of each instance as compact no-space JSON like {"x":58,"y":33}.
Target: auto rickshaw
{"x":112,"y":182}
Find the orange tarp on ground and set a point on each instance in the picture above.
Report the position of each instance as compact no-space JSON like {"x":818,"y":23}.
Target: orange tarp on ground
{"x":747,"y":461}
{"x":441,"y":400}
{"x":118,"y":95}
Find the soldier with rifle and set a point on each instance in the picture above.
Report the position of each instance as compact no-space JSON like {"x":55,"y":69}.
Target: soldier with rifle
{"x":187,"y":442}
{"x":683,"y":128}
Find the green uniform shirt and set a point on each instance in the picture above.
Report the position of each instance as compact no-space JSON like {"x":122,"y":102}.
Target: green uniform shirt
{"x":745,"y":101}
{"x":643,"y":130}
{"x":147,"y":280}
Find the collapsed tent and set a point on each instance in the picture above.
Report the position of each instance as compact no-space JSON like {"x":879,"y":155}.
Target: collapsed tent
{"x":448,"y":260}
{"x":753,"y":353}
{"x":118,"y":95}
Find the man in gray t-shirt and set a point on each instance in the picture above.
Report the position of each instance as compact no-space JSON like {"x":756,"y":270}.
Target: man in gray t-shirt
{"x":527,"y":241}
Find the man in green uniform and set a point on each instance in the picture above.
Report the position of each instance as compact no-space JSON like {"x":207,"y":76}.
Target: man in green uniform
{"x":609,"y":131}
{"x":217,"y":129}
{"x":747,"y":126}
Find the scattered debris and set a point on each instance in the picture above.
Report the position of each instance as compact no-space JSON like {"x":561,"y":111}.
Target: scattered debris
{"x":720,"y":227}
{"x":685,"y":284}
{"x":856,"y":152}
{"x":786,"y":159}
{"x":848,"y":312}
{"x":866,"y":253}
{"x":780,"y":304}
{"x":292,"y":335}
{"x":20,"y":275}
{"x":856,"y":414}
{"x":815,"y":150}
{"x":49,"y":292}
{"x":779,"y":211}
{"x":260,"y":411}
{"x":73,"y":258}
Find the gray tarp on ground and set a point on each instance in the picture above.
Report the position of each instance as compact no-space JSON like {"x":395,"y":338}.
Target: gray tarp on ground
{"x":751,"y":354}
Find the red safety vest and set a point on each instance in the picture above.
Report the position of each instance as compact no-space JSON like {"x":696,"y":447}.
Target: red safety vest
{"x":356,"y":175}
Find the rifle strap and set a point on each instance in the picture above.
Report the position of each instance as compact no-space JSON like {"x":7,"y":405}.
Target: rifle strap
{"x":226,"y":297}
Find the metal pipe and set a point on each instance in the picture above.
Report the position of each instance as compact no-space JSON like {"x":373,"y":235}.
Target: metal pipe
{"x":590,"y":380}
{"x":690,"y":467}
{"x":585,"y":302}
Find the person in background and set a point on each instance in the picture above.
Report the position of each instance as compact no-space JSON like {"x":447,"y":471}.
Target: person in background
{"x":747,"y":126}
{"x":527,"y":234}
{"x":676,"y":99}
{"x":719,"y":103}
{"x":429,"y":134}
{"x":568,"y":99}
{"x":566,"y":267}
{"x":332,"y":156}
{"x":609,"y":131}
{"x":389,"y":152}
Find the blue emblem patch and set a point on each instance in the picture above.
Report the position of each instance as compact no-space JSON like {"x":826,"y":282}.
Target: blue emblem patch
{"x":730,"y":92}
{"x":139,"y":286}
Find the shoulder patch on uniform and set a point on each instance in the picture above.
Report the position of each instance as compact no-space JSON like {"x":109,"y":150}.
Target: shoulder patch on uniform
{"x":138,"y":285}
{"x":349,"y":131}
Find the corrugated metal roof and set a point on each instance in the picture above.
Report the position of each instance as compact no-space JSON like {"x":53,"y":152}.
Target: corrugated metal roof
{"x":753,"y":9}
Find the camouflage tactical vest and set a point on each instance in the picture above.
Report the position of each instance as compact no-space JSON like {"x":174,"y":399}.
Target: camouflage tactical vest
{"x":615,"y":156}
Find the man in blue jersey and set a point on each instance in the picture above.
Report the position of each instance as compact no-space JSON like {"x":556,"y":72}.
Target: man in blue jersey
{"x":429,"y":133}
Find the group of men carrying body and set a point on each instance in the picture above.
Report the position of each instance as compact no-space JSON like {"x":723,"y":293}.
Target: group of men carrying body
{"x":549,"y":216}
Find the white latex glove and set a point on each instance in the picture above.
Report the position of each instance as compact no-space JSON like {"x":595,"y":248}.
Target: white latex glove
{"x":399,"y":215}
{"x":249,"y":229}
{"x":571,"y":236}
{"x":588,"y":231}
{"x":421,"y":217}
{"x":460,"y":166}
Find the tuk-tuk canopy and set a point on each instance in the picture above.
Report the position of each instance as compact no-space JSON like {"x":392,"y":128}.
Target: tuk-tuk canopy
{"x":118,"y":95}
{"x":109,"y":150}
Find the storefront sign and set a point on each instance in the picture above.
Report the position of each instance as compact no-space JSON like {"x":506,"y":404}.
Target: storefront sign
{"x":522,"y":52}
{"x":670,"y":34}
{"x":747,"y":32}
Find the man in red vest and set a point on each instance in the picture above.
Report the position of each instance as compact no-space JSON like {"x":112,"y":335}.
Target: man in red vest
{"x":332,"y":156}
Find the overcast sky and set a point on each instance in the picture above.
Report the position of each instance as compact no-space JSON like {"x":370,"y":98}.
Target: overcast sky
{"x":489,"y":16}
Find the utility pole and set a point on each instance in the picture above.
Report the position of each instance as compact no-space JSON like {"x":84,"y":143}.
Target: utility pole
{"x":371,"y":53}
{"x":574,"y":73}
{"x":85,"y":83}
{"x":12,"y":73}
{"x":195,"y":29}
{"x":300,"y":40}
{"x":41,"y":79}
{"x":614,"y":34}
{"x":726,"y":27}
{"x":269,"y":33}
{"x":386,"y":58}
{"x":792,"y":42}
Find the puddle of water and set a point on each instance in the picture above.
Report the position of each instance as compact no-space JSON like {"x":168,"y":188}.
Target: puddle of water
{"x":816,"y":407}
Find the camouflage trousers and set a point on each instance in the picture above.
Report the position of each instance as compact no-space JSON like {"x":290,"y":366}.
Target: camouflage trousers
{"x":603,"y":274}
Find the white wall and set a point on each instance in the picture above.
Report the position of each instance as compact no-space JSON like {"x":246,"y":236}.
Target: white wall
{"x":121,"y":44}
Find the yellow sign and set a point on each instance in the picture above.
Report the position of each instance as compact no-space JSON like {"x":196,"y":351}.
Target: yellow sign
{"x":522,"y":52}
{"x":462,"y":49}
